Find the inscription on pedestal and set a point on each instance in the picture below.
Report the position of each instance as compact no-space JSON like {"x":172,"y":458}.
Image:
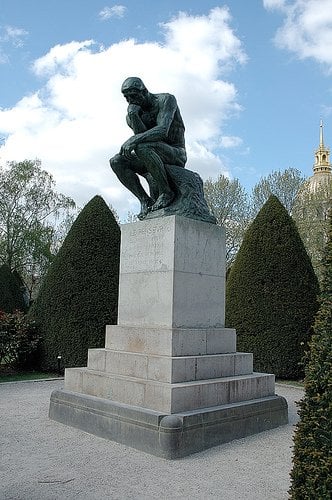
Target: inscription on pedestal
{"x":143,"y":247}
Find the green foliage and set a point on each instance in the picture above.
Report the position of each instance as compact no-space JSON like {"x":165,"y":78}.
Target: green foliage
{"x":229,"y":203}
{"x":11,"y":293}
{"x":18,"y":339}
{"x":284,"y":185}
{"x":12,"y":375}
{"x":271,"y":293}
{"x":233,"y":209}
{"x":30,"y":211}
{"x":79,"y":294}
{"x":310,"y":213}
{"x":312,"y":460}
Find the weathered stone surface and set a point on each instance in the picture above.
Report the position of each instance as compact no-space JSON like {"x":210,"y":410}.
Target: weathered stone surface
{"x":169,"y":397}
{"x":167,"y":436}
{"x":172,"y":274}
{"x":170,"y":369}
{"x":169,"y":380}
{"x":189,"y":196}
{"x":171,"y":341}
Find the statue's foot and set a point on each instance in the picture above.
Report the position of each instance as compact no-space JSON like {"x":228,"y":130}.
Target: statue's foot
{"x":145,"y":208}
{"x":163,"y":201}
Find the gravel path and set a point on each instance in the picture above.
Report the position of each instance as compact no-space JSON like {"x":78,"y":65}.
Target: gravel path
{"x":43,"y":460}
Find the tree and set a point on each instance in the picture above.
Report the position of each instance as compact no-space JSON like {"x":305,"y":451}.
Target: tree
{"x":30,"y":212}
{"x":312,"y":459}
{"x":18,"y":340}
{"x":79,"y":293}
{"x":310,"y":213}
{"x":228,"y":202}
{"x":131,"y":217}
{"x":271,"y":293}
{"x":284,"y":185}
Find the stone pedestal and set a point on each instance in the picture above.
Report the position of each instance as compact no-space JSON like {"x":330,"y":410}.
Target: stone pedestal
{"x":170,"y":381}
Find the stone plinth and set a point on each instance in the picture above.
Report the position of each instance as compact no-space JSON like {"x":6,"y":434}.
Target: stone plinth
{"x":170,"y":369}
{"x":172,"y":274}
{"x":169,"y":380}
{"x":171,"y":341}
{"x":167,"y":436}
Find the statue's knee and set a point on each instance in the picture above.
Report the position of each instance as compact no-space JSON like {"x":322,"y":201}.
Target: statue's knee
{"x":115,"y":163}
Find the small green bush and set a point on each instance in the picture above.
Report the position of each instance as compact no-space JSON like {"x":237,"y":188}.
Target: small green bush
{"x":11,"y":295}
{"x":271,"y":293}
{"x":79,"y":295}
{"x":311,"y":474}
{"x":18,"y":339}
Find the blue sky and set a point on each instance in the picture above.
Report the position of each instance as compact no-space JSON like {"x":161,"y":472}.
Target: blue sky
{"x":253,"y":79}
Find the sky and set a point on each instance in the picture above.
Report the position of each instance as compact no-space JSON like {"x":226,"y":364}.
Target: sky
{"x":252,"y":78}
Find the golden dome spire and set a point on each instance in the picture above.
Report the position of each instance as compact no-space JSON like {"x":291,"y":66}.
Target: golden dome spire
{"x":322,"y":155}
{"x":321,"y":140}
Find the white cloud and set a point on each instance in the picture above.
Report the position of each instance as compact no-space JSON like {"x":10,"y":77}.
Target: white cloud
{"x":307,"y":28}
{"x":76,"y":121}
{"x":274,"y":4}
{"x":4,"y":59}
{"x":229,"y":141}
{"x":60,"y":57}
{"x":13,"y":35}
{"x":205,"y":41}
{"x":115,"y":11}
{"x":10,"y":36}
{"x":326,"y":110}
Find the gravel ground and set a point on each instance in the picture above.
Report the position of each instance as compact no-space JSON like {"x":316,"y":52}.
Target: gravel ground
{"x":44,"y":460}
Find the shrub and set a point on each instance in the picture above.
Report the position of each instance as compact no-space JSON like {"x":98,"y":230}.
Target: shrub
{"x":312,"y":460}
{"x":271,"y":293}
{"x":11,"y":295}
{"x":18,"y":339}
{"x":24,"y":292}
{"x":79,"y":294}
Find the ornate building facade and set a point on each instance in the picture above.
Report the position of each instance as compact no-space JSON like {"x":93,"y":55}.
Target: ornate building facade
{"x":313,"y":204}
{"x":322,"y":167}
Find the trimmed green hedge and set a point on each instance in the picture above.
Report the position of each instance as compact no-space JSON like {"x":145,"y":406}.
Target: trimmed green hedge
{"x":271,"y":293}
{"x":311,"y":474}
{"x":79,"y":295}
{"x":11,"y":295}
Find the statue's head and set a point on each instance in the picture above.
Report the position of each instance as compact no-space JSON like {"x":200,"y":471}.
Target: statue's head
{"x":134,"y":91}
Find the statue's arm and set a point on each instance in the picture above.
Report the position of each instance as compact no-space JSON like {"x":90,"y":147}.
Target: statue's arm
{"x":167,"y":109}
{"x":158,"y":133}
{"x":134,"y":120}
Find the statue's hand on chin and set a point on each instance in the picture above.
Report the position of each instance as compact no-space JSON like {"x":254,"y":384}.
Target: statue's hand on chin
{"x":134,"y":109}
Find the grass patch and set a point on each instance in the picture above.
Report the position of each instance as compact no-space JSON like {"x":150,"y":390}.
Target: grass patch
{"x":21,"y":376}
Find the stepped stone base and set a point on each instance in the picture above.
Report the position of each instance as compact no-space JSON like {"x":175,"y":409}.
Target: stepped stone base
{"x":169,"y":398}
{"x":164,"y":341}
{"x":168,"y":436}
{"x":169,"y":380}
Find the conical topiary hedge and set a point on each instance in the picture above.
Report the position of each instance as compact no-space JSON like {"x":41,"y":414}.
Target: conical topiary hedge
{"x":79,"y":294}
{"x":311,"y":474}
{"x":271,"y":293}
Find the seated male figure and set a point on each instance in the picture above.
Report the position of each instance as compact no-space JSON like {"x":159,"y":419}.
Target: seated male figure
{"x":158,"y":140}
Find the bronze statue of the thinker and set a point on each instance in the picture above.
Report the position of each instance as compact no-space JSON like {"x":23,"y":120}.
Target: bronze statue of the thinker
{"x":158,"y":140}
